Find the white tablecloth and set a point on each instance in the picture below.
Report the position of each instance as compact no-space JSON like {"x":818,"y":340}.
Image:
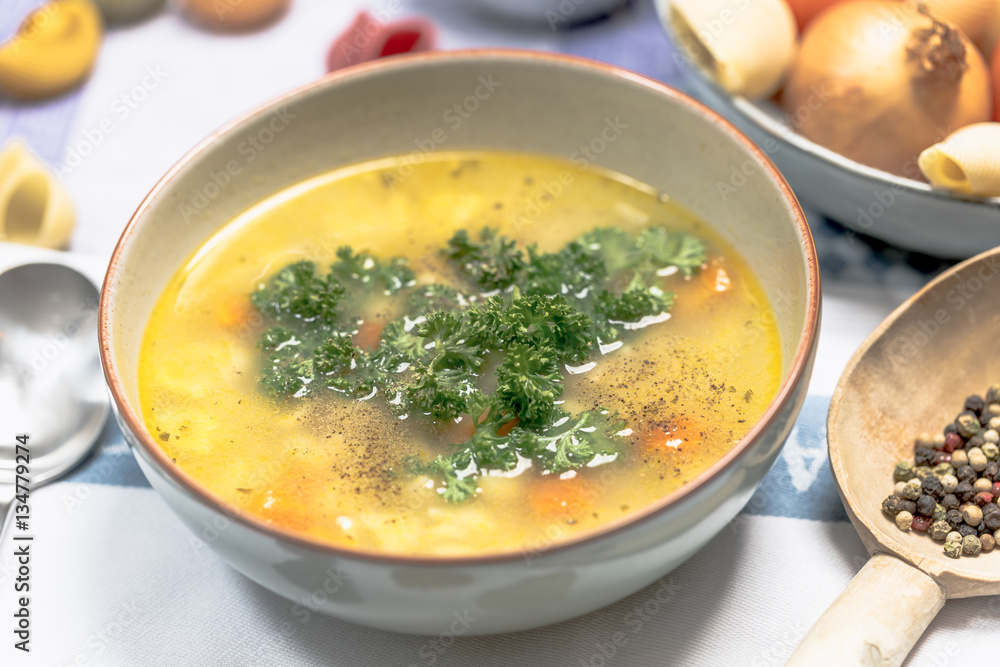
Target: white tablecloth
{"x":117,"y":580}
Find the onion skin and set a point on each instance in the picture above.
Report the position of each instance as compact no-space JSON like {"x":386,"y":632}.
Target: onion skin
{"x":971,"y":16}
{"x":880,"y":96}
{"x":805,"y":10}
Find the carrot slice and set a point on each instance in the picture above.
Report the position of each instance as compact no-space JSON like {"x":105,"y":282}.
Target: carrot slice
{"x":562,"y":498}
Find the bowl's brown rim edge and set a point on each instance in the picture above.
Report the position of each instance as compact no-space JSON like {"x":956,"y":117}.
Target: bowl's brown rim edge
{"x":785,"y":393}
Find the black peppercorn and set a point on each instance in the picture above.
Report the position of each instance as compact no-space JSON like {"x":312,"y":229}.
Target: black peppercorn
{"x":950,"y":428}
{"x":954,"y":519}
{"x":974,"y":403}
{"x":925,"y":505}
{"x":924,"y":456}
{"x":975,"y":441}
{"x":932,"y":487}
{"x":892,"y":505}
{"x":991,"y":520}
{"x":950,"y":501}
{"x":966,"y":474}
{"x":965,"y":530}
{"x":990,"y":473}
{"x":965,"y":492}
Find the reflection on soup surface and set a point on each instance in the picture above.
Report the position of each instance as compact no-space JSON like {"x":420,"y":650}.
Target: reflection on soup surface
{"x":494,"y":353}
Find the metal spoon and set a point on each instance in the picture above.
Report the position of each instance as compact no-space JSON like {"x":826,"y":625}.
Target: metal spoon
{"x":910,"y":376}
{"x":51,"y":384}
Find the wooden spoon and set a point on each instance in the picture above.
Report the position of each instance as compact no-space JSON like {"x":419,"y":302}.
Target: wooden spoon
{"x":910,"y":376}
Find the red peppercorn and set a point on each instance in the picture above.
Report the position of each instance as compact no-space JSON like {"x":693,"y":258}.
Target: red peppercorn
{"x":996,"y":489}
{"x":942,"y":457}
{"x":953,"y":441}
{"x":983,"y":499}
{"x":921,"y":523}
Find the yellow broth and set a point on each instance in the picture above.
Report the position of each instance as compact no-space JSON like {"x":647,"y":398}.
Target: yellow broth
{"x":689,"y":388}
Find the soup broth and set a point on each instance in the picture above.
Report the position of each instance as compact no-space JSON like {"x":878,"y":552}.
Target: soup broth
{"x":341,"y":470}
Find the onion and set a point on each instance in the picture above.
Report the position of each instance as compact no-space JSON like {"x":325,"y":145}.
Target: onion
{"x":880,"y":81}
{"x":971,"y":16}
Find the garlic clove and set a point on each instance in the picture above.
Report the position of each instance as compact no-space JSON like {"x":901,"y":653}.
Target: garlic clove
{"x":746,"y":47}
{"x":34,"y":207}
{"x":967,"y":161}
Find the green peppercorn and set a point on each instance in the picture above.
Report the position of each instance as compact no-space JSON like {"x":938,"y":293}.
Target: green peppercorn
{"x":939,"y":512}
{"x":923,"y":472}
{"x":953,"y":549}
{"x":942,"y":469}
{"x":971,"y":546}
{"x":904,"y":520}
{"x":949,"y":482}
{"x":939,"y":530}
{"x":988,"y":542}
{"x":972,"y":515}
{"x":903,"y":471}
{"x":967,"y":424}
{"x":912,"y":489}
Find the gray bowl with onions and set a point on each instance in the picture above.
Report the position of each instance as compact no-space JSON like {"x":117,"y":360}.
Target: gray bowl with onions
{"x":900,"y":208}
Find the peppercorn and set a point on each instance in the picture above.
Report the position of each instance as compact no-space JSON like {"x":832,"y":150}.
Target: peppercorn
{"x":983,"y":499}
{"x":892,"y":505}
{"x":972,"y":515}
{"x":897,"y":490}
{"x":975,"y":441}
{"x":953,"y":536}
{"x":992,"y":520}
{"x":949,"y":483}
{"x":903,"y":472}
{"x":926,"y":504}
{"x":959,"y":458}
{"x":923,"y":472}
{"x":932,"y":487}
{"x":996,"y":488}
{"x":950,"y":501}
{"x":940,"y":530}
{"x":991,"y":470}
{"x":977,"y":460}
{"x":943,"y":468}
{"x":971,"y":546}
{"x":974,"y":403}
{"x":953,"y":549}
{"x":994,"y":422}
{"x":912,"y":489}
{"x":953,"y":441}
{"x":967,"y":424}
{"x":939,"y":512}
{"x":966,"y":474}
{"x":921,"y":523}
{"x":939,"y":458}
{"x":988,"y":542}
{"x":992,"y":437}
{"x":954,"y":519}
{"x":982,"y":486}
{"x":993,"y":393}
{"x":966,"y":530}
{"x":965,"y":492}
{"x":904,"y":520}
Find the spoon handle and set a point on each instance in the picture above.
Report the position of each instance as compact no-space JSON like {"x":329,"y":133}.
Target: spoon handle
{"x":876,"y":620}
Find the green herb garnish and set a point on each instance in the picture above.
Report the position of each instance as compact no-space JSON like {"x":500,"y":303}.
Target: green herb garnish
{"x":530,"y":312}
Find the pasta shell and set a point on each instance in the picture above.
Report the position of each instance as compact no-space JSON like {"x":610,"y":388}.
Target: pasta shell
{"x":967,"y":161}
{"x":746,"y":47}
{"x":973,"y":17}
{"x":34,"y":208}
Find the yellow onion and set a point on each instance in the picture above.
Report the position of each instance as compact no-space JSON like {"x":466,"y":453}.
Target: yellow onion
{"x":971,"y":16}
{"x":880,"y":81}
{"x":967,"y":161}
